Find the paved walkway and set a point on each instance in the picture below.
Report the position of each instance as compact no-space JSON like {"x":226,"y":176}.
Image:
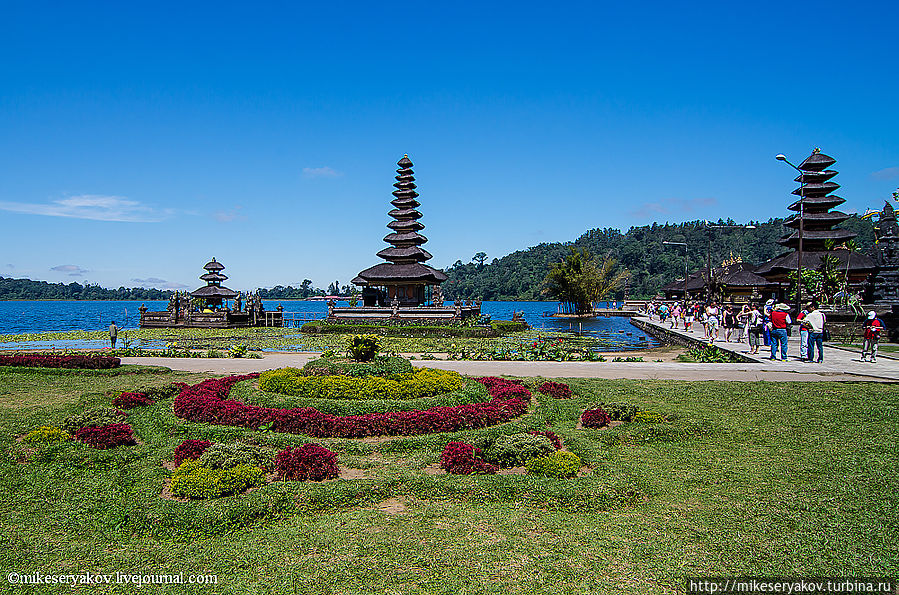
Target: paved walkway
{"x":839,"y":365}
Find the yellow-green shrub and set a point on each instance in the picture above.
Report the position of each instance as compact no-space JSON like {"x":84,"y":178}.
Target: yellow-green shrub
{"x":650,"y":417}
{"x":193,"y":480}
{"x":411,"y":385}
{"x":46,"y":434}
{"x":560,"y":464}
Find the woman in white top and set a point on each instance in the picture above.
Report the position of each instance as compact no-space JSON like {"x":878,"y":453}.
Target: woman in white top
{"x":712,"y":312}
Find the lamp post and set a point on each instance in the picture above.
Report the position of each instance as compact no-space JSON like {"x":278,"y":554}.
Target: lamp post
{"x":684,"y":244}
{"x":782,"y":157}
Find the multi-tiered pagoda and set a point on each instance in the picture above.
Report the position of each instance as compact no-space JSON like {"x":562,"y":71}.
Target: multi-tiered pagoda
{"x":816,"y":224}
{"x":214,"y":292}
{"x":404,"y":279}
{"x":885,"y":284}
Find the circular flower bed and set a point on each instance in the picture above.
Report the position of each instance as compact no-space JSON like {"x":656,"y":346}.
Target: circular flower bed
{"x":208,"y":402}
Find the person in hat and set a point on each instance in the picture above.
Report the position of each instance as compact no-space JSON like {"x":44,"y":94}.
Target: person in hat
{"x":780,"y":320}
{"x":873,"y":328}
{"x":766,"y":311}
{"x":815,"y":320}
{"x":803,"y":334}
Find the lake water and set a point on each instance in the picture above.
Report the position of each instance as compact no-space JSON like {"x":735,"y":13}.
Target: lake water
{"x":18,"y":317}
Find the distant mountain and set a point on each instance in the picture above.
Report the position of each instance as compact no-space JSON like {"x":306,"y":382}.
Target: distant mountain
{"x":519,"y":276}
{"x":26,"y":289}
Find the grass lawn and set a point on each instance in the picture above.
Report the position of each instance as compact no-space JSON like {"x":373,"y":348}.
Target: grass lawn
{"x":747,"y":479}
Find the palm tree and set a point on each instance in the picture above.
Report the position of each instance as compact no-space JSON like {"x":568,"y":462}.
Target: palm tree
{"x":578,"y":280}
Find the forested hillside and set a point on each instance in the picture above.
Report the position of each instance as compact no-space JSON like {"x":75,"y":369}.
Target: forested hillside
{"x":652,"y":264}
{"x":26,"y":289}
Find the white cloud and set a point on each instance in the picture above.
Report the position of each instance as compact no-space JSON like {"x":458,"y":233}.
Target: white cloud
{"x":72,"y":270}
{"x":672,"y":205}
{"x":92,"y":206}
{"x":159,"y":283}
{"x":321,"y":172}
{"x":887,"y":173}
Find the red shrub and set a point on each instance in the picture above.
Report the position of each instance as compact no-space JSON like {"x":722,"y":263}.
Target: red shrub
{"x":557,"y":390}
{"x":557,"y":442}
{"x":42,"y":360}
{"x":595,"y":418}
{"x":106,"y":436}
{"x":132,"y":400}
{"x":190,"y":449}
{"x":308,"y":462}
{"x":460,"y":458}
{"x":207,"y":402}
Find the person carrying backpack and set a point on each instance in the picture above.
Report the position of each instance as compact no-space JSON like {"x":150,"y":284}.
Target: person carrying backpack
{"x":873,"y":328}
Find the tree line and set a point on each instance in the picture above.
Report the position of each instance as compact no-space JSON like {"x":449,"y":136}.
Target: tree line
{"x":650,"y":263}
{"x":26,"y":289}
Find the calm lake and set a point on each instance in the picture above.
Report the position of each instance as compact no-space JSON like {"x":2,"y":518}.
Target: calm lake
{"x":18,"y":317}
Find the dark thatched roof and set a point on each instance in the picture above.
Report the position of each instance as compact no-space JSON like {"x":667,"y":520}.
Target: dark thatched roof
{"x":214,"y":291}
{"x":389,"y":272}
{"x":213,"y":265}
{"x":858,"y":262}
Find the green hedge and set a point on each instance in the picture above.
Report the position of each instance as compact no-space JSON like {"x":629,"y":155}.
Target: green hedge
{"x":508,"y":326}
{"x":322,"y":327}
{"x":193,"y":480}
{"x":412,"y":385}
{"x":560,"y":465}
{"x":380,"y":366}
{"x":474,"y":392}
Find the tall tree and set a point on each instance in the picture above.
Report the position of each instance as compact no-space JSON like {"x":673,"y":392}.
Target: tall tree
{"x":579,"y":280}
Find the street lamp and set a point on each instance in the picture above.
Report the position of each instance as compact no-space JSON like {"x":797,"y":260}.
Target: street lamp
{"x":684,"y":244}
{"x":782,"y":157}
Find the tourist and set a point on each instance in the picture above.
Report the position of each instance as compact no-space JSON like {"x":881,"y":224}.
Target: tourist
{"x":803,"y":334}
{"x":815,"y":320}
{"x":730,"y":323}
{"x":743,"y":322}
{"x":675,"y":315}
{"x":754,"y":328}
{"x":780,"y":320}
{"x":766,"y":311}
{"x":113,"y":334}
{"x":663,"y":313}
{"x":688,"y":318}
{"x":712,"y":311}
{"x":873,"y":328}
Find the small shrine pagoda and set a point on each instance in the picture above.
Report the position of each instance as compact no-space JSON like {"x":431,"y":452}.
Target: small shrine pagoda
{"x":816,"y":224}
{"x":214,"y":293}
{"x":404,"y":279}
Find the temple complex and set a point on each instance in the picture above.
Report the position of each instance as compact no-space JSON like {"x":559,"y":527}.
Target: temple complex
{"x":885,"y":282}
{"x":813,"y":227}
{"x":214,"y":293}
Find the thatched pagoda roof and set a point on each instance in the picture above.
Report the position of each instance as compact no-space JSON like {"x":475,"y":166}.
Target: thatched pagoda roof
{"x":390,"y":273}
{"x":214,"y":291}
{"x":213,"y":265}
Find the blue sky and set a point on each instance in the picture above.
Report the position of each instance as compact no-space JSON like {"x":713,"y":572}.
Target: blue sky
{"x":138,"y":140}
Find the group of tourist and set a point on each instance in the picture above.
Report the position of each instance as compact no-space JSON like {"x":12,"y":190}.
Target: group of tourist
{"x":769,"y":325}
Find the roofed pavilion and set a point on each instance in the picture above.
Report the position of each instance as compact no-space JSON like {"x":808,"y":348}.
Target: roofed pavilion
{"x":214,"y":292}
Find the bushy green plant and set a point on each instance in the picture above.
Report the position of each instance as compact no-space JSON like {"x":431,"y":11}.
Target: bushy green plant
{"x":192,"y":480}
{"x":227,"y":455}
{"x":158,"y":393}
{"x":364,"y":348}
{"x":45,"y":435}
{"x":620,"y":411}
{"x":381,"y":365}
{"x":237,"y":351}
{"x":412,"y":385}
{"x":92,"y":418}
{"x":650,"y":417}
{"x":560,"y":464}
{"x":516,"y":450}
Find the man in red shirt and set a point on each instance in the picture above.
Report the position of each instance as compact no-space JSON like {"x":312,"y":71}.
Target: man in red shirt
{"x":873,"y":328}
{"x":780,"y":320}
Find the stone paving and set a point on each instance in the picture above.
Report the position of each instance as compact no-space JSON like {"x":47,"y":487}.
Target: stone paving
{"x":838,"y":365}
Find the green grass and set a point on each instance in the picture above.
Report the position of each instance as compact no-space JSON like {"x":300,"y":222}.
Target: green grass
{"x":752,"y":479}
{"x":880,"y":348}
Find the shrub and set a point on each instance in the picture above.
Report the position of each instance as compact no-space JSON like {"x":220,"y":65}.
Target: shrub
{"x":560,"y":465}
{"x":308,"y":462}
{"x":192,"y":480}
{"x":413,"y":385}
{"x":556,"y":441}
{"x":42,"y":360}
{"x":207,"y":402}
{"x":106,"y":436}
{"x":189,"y":450}
{"x":460,"y":458}
{"x":131,"y":400}
{"x":517,"y":449}
{"x":380,"y":366}
{"x":364,"y":348}
{"x":595,"y":418}
{"x":224,"y":456}
{"x":508,"y":326}
{"x":46,"y":434}
{"x":620,"y":411}
{"x":650,"y":417}
{"x":557,"y":390}
{"x":158,"y":393}
{"x":93,"y":418}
